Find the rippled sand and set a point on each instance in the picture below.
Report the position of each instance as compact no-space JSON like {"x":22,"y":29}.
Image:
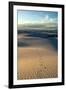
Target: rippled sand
{"x":37,"y":62}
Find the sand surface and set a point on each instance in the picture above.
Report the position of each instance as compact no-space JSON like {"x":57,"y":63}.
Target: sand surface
{"x":36,"y":62}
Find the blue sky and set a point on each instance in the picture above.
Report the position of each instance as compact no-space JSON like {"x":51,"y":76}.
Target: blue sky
{"x":26,"y":17}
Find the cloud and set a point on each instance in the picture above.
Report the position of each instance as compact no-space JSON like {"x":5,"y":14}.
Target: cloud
{"x":47,"y":19}
{"x":46,"y":22}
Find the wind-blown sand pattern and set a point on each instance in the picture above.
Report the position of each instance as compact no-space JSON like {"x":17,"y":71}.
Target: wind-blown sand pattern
{"x":36,"y":59}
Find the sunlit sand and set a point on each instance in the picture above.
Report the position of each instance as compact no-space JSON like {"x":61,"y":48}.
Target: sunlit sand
{"x":36,"y":62}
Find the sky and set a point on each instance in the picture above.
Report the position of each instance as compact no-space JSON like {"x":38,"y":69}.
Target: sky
{"x":27,"y":18}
